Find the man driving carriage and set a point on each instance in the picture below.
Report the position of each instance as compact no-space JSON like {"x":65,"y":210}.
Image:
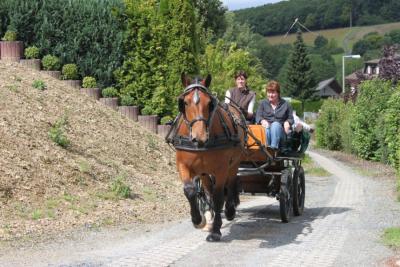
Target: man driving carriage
{"x":242,"y":96}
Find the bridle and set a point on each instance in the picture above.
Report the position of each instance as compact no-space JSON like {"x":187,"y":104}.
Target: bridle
{"x":196,"y":97}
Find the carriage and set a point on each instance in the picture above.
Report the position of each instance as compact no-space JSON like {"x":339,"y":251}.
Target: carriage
{"x":280,"y":176}
{"x":218,"y":156}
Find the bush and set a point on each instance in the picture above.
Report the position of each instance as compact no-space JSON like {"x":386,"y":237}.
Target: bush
{"x":127,"y":100}
{"x":31,"y":52}
{"x":120,"y":189}
{"x":313,"y":106}
{"x":346,"y":129}
{"x":57,"y":134}
{"x":89,"y":82}
{"x":39,"y":84}
{"x":10,"y":36}
{"x":70,"y":72}
{"x":109,"y":92}
{"x":368,"y":141}
{"x":297,"y":105}
{"x":50,"y":62}
{"x":392,"y":129}
{"x":328,"y":124}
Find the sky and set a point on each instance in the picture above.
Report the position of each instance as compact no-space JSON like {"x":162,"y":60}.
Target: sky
{"x":239,"y":4}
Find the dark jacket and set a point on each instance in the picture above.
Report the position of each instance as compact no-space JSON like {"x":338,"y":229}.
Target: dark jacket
{"x":282,"y":113}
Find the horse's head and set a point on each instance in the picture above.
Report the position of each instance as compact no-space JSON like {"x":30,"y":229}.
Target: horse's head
{"x":197,"y":105}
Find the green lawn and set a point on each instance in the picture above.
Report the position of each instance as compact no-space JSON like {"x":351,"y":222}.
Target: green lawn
{"x":345,"y":37}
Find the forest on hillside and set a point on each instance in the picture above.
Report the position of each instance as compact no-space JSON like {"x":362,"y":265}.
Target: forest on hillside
{"x":276,"y":18}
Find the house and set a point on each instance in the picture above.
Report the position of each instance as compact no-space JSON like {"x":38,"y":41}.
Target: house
{"x":371,"y":70}
{"x":328,"y":88}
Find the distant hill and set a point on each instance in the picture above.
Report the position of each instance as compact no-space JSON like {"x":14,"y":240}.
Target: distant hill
{"x":272,"y":19}
{"x":345,"y":37}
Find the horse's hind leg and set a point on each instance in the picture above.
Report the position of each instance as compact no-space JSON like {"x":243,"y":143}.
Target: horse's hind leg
{"x":232,"y":200}
{"x":218,"y":201}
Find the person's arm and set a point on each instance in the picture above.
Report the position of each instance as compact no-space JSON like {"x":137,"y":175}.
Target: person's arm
{"x":227,"y":97}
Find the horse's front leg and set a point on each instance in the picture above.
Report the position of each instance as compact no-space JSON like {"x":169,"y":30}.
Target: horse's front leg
{"x":218,"y":203}
{"x":189,"y":190}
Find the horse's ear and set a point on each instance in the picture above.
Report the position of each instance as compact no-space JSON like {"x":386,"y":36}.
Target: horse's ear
{"x":185,"y":80}
{"x":207,"y":81}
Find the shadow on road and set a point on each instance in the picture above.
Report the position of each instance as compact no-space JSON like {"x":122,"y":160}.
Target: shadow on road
{"x":264,"y":223}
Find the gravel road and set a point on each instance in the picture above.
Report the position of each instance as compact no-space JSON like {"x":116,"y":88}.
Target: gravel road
{"x":341,"y":226}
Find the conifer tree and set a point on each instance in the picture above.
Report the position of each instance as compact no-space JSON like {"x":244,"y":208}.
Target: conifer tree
{"x":143,"y":69}
{"x":181,"y":55}
{"x":299,"y":77}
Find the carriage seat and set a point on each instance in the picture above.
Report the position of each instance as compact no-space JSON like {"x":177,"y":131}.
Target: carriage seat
{"x":295,"y":143}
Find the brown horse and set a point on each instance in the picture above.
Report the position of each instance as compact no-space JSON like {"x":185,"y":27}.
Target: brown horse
{"x":209,"y":139}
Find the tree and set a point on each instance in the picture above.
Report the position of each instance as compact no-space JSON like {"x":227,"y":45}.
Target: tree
{"x":181,"y":53}
{"x":143,"y":69}
{"x":322,"y":69}
{"x":300,"y":80}
{"x":320,"y":42}
{"x":212,"y":15}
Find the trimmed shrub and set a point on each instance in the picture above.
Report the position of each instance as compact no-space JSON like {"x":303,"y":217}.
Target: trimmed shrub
{"x":328,"y":125}
{"x":50,"y":62}
{"x":10,"y":36}
{"x":127,"y":100}
{"x":69,"y":72}
{"x":89,"y":82}
{"x":109,"y":92}
{"x":166,"y":119}
{"x":31,"y":52}
{"x":368,"y":138}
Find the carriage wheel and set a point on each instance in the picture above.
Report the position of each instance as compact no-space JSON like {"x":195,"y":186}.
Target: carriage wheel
{"x":203,"y":199}
{"x":285,"y":196}
{"x":299,"y":191}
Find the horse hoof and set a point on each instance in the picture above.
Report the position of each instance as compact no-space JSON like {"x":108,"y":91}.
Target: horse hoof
{"x":213,"y":237}
{"x":201,"y":224}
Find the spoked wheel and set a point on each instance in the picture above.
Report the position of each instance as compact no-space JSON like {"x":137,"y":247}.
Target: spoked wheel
{"x":285,"y":195}
{"x":202,"y":198}
{"x":299,"y":191}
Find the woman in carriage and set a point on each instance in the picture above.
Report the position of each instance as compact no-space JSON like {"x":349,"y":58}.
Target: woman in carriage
{"x":276,"y":115}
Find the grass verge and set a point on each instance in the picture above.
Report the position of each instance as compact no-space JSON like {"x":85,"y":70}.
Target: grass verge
{"x":391,"y":237}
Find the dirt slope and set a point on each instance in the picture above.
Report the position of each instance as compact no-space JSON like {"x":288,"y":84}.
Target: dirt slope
{"x":45,"y":188}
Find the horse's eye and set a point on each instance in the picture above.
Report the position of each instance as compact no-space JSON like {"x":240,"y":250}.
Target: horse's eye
{"x":186,"y":103}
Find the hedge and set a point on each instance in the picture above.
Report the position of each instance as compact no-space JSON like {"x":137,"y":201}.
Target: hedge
{"x":84,"y":31}
{"x":368,"y":139}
